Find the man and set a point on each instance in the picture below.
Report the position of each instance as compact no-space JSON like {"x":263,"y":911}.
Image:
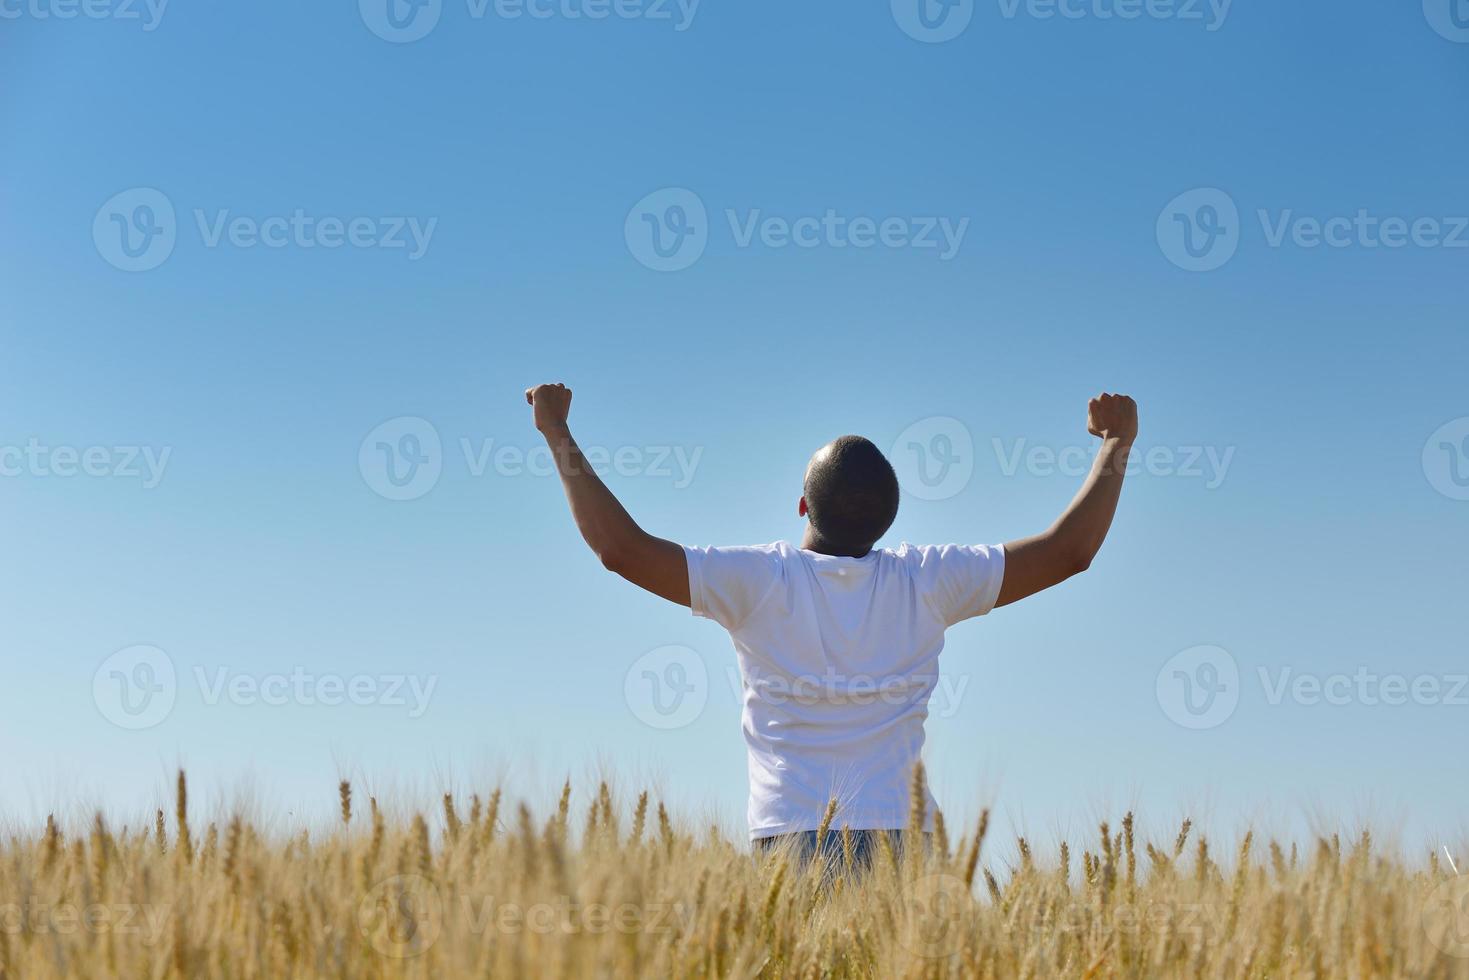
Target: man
{"x":838,"y":643}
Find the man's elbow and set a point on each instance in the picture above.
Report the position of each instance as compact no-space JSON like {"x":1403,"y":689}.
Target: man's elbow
{"x":1081,"y":562}
{"x":614,"y":559}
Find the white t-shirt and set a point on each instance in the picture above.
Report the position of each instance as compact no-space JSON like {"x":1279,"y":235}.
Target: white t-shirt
{"x":838,"y":658}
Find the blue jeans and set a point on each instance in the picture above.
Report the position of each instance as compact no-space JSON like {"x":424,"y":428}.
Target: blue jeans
{"x":803,"y":846}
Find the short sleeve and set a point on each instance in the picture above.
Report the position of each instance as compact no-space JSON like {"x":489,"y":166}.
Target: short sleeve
{"x":728,"y":584}
{"x":959,"y":581}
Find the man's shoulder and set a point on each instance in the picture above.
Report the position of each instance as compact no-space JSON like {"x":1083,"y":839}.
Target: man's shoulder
{"x":774,"y":547}
{"x":906,"y":552}
{"x":919,"y":555}
{"x":752,"y":556}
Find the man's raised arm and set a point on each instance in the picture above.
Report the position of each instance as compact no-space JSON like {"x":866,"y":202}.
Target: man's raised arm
{"x":652,"y":563}
{"x":1068,"y":547}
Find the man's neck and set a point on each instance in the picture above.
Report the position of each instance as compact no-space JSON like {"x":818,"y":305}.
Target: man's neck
{"x":812,"y":541}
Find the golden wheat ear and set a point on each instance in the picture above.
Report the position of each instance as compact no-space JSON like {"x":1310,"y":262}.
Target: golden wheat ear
{"x":181,"y":816}
{"x":831,"y":811}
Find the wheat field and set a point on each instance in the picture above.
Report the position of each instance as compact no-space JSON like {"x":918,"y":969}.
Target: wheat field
{"x":611,"y":888}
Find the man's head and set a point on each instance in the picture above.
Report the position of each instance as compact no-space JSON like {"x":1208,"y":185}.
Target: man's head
{"x":851,"y":496}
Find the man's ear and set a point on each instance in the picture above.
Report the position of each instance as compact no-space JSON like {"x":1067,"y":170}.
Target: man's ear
{"x":801,"y":508}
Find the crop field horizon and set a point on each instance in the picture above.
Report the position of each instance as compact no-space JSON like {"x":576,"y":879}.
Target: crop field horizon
{"x":595,"y":884}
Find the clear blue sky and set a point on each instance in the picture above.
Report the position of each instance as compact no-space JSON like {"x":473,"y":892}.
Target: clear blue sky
{"x":521,"y":146}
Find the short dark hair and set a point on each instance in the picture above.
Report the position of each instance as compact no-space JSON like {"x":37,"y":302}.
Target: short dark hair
{"x":851,"y":494}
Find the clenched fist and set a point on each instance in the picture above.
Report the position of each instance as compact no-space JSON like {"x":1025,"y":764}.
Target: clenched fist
{"x":1112,"y":417}
{"x":552,"y":403}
